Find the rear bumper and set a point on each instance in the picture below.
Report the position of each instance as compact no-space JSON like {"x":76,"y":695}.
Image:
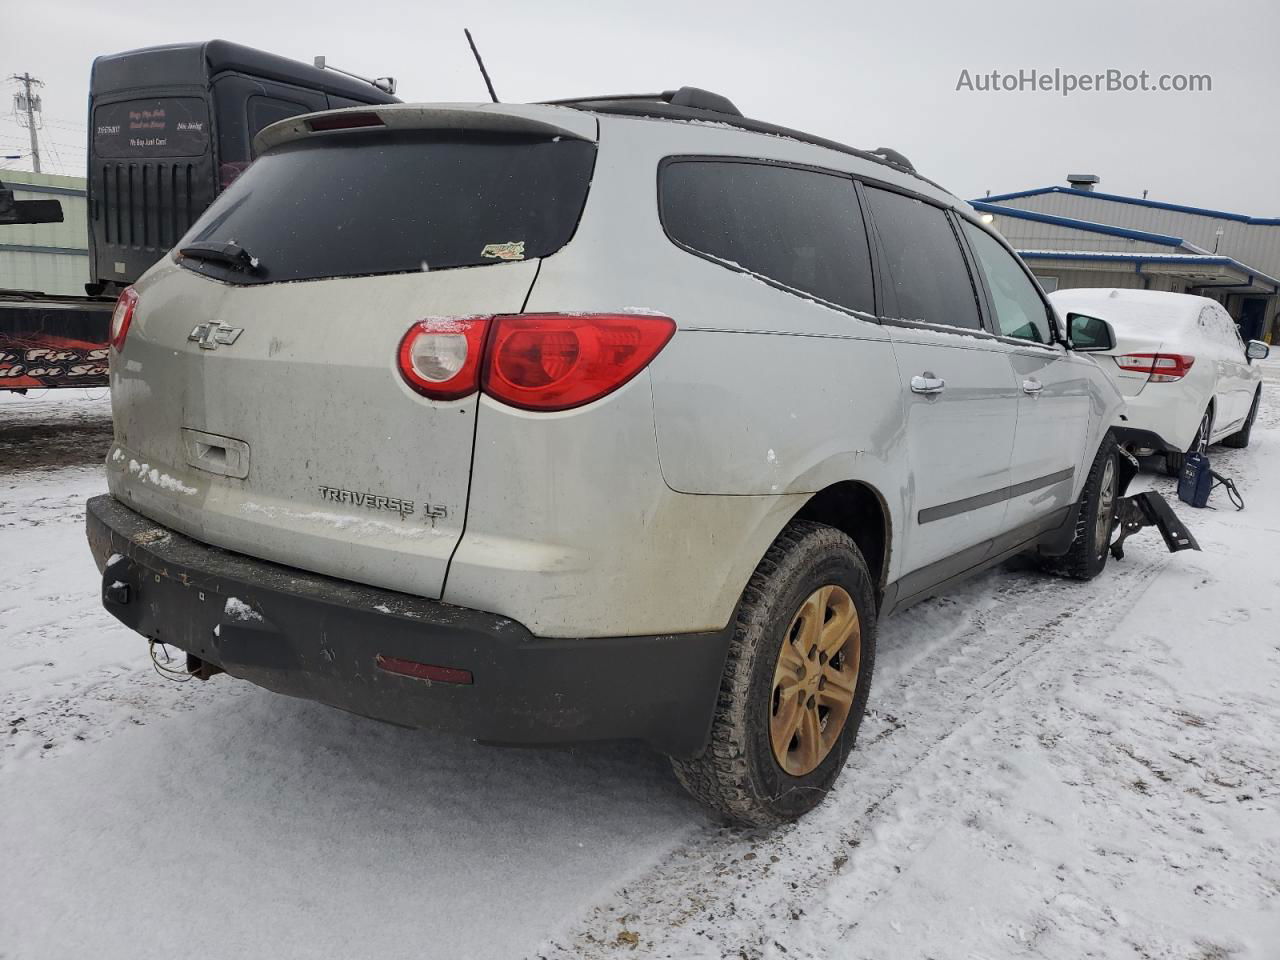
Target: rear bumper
{"x":1169,"y":411}
{"x":320,"y":638}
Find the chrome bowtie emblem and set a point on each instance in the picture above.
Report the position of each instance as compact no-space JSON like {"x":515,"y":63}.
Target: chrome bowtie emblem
{"x":209,"y":335}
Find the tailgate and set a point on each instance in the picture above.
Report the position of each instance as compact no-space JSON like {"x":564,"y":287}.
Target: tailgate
{"x":260,"y":407}
{"x":299,"y":442}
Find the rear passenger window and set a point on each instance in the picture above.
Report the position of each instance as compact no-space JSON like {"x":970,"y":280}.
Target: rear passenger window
{"x":1230,"y":329}
{"x":799,"y":228}
{"x":925,"y":272}
{"x":1020,"y":312}
{"x":1214,"y":325}
{"x":1207,"y":321}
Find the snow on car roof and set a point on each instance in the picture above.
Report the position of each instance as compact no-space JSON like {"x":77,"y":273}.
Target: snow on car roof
{"x":1131,"y":309}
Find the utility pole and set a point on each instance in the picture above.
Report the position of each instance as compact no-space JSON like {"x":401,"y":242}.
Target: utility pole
{"x":27,"y":102}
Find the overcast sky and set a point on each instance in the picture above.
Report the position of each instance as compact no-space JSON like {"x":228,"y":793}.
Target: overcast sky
{"x":880,"y":74}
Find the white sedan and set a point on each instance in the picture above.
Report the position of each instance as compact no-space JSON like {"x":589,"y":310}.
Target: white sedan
{"x":1188,"y":379}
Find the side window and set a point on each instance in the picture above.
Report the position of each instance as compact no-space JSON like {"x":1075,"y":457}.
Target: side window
{"x":264,"y":111}
{"x":1208,"y":323}
{"x":1217,"y":326}
{"x":1231,"y":329}
{"x":244,"y":105}
{"x":799,"y":228}
{"x":925,"y":271}
{"x":1020,"y":310}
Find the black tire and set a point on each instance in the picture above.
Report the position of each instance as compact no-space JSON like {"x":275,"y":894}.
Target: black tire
{"x":1173,"y":461}
{"x":1240,"y":439}
{"x":738,"y":776}
{"x":1096,"y":522}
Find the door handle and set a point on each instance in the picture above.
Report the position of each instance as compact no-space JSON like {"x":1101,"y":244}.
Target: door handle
{"x":927,"y":384}
{"x":1032,"y":387}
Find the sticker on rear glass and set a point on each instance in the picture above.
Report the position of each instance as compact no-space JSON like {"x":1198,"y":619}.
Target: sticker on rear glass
{"x":504,"y":251}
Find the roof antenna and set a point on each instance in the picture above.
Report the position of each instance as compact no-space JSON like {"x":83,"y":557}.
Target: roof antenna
{"x":480,"y":63}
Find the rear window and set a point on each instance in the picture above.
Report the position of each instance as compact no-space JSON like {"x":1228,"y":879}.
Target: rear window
{"x":376,"y":203}
{"x":161,"y":127}
{"x":800,"y":228}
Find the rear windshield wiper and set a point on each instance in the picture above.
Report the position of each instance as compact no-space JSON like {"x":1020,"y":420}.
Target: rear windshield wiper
{"x":229,"y":253}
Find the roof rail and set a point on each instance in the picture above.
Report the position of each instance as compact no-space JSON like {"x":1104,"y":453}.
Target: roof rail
{"x":700,"y":99}
{"x":693,"y":97}
{"x":694,"y":103}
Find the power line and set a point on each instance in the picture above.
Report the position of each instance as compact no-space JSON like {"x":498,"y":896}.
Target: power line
{"x":77,"y":147}
{"x":57,"y":158}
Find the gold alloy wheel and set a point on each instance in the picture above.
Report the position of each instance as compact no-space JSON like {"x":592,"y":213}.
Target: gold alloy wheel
{"x":815,"y":679}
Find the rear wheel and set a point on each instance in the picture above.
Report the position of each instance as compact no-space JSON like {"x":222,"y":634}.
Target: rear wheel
{"x":795,"y":684}
{"x":1096,"y":520}
{"x":1241,"y":439}
{"x":1173,"y":461}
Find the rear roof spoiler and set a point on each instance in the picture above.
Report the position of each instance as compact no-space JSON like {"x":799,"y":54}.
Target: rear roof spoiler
{"x":534,"y":119}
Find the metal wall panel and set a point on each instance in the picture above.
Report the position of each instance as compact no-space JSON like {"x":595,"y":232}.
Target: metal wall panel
{"x":1252,"y":244}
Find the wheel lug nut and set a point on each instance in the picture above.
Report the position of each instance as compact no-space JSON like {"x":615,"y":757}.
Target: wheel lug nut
{"x":812,"y":702}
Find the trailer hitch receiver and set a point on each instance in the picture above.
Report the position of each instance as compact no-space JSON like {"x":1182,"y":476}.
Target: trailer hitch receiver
{"x":1149,"y":509}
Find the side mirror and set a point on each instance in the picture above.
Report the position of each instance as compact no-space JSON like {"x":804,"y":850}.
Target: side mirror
{"x":1089,"y":334}
{"x":1256,"y":350}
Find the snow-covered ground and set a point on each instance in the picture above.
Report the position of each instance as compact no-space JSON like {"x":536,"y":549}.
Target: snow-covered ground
{"x":1050,"y":770}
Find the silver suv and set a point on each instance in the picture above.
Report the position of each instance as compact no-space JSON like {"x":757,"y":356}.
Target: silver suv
{"x":614,"y":418}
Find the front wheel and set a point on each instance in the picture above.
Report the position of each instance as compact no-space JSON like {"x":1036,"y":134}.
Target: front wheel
{"x":1097,"y":518}
{"x":795,"y":683}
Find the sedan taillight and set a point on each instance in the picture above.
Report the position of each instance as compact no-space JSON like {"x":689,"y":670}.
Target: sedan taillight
{"x":122,"y":316}
{"x":1159,"y":367}
{"x":534,"y":361}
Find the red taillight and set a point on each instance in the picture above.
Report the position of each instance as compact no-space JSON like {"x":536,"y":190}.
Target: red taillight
{"x":555,"y":361}
{"x":440,"y":356}
{"x":534,"y":361}
{"x":345,"y":121}
{"x":1159,"y":367}
{"x":423,"y":671}
{"x":122,"y":316}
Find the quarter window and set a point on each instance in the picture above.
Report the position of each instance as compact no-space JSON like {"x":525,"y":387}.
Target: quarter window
{"x":926,"y":277}
{"x":1020,"y":311}
{"x":799,"y":228}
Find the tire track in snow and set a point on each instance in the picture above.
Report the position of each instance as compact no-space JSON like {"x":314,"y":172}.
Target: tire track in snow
{"x":989,"y":633}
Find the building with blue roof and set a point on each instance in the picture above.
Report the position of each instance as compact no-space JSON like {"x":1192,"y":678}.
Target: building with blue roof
{"x":1078,"y":236}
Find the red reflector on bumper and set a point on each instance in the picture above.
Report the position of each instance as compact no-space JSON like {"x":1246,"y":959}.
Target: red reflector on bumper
{"x":423,"y":671}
